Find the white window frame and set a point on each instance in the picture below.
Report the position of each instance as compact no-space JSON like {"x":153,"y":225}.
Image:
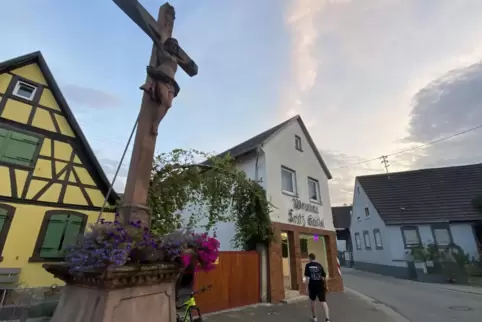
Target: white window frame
{"x":404,"y":236}
{"x":22,"y":83}
{"x":358,"y":241}
{"x":298,"y":145}
{"x":293,"y":179}
{"x":317,"y":188}
{"x":379,"y":242}
{"x":366,"y":237}
{"x":445,"y":228}
{"x":367,"y":212}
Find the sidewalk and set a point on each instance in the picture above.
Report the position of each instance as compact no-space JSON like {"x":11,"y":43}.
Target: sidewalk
{"x":344,"y":307}
{"x":477,"y":290}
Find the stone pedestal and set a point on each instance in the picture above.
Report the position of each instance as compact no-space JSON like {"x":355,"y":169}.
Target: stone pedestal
{"x":125,"y":294}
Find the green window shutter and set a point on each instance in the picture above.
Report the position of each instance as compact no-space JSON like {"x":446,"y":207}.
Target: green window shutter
{"x":72,"y":232}
{"x":53,"y":237}
{"x":20,"y":149}
{"x":3,"y":141}
{"x":3,"y":218}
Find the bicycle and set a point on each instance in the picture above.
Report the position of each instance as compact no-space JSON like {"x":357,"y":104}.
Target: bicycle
{"x":190,"y":305}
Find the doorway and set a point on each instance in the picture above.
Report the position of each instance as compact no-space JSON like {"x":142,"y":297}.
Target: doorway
{"x":285,"y":254}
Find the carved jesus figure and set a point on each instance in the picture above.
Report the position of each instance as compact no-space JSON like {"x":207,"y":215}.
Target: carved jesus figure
{"x":161,"y":86}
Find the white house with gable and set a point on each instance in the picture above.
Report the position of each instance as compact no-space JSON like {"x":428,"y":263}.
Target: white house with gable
{"x":288,"y":165}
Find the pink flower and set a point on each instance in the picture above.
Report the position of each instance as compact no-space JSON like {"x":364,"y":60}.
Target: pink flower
{"x":186,"y":259}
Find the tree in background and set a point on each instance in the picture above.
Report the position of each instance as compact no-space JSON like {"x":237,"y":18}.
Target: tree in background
{"x":477,"y":203}
{"x":192,"y":189}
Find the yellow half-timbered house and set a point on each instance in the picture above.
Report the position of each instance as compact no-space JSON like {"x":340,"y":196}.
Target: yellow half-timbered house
{"x":51,"y":184}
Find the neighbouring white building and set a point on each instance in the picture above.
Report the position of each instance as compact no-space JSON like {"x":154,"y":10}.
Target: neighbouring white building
{"x":290,"y":168}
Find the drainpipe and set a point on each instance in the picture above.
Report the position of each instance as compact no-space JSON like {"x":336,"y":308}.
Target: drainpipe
{"x":256,"y":174}
{"x":262,"y":249}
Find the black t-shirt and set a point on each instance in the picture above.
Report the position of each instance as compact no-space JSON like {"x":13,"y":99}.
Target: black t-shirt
{"x":315,"y":272}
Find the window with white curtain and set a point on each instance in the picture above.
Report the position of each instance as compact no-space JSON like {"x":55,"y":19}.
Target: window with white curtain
{"x":441,"y":235}
{"x":411,"y":236}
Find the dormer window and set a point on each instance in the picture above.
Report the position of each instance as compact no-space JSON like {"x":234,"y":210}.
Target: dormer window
{"x":298,"y":143}
{"x":24,"y":90}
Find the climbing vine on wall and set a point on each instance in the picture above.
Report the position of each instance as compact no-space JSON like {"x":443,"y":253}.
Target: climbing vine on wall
{"x":193,"y":189}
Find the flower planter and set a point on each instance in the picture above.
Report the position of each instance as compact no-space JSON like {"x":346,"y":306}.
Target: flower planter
{"x":122,"y":294}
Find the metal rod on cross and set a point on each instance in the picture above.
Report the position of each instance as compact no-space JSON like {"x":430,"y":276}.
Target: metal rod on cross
{"x":159,"y":91}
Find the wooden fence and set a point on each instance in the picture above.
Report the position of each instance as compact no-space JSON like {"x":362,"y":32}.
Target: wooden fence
{"x":235,"y":282}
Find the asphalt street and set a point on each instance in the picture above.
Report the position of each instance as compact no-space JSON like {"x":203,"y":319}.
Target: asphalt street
{"x":418,"y":302}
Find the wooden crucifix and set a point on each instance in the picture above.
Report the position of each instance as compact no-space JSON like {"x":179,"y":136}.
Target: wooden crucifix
{"x":159,"y":91}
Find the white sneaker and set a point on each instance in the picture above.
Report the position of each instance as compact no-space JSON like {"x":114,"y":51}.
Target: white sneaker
{"x":314,"y":319}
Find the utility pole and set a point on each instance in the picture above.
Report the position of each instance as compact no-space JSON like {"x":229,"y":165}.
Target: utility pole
{"x":385,"y":162}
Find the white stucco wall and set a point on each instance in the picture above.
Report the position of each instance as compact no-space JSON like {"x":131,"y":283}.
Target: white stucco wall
{"x":462,"y":235}
{"x":394,"y":252}
{"x":280,"y":151}
{"x":369,"y":224}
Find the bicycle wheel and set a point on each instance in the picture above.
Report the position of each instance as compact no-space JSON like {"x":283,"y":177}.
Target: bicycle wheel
{"x":194,"y":314}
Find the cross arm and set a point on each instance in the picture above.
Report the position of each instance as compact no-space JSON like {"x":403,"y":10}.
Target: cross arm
{"x":183,"y":60}
{"x":134,"y":10}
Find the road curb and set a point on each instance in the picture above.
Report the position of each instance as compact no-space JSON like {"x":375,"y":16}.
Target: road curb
{"x":397,"y":317}
{"x":235,"y":309}
{"x":295,"y":299}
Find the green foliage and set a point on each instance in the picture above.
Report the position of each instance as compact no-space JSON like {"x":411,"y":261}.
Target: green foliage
{"x":477,"y":203}
{"x":211,"y":192}
{"x":431,"y":252}
{"x":253,"y":224}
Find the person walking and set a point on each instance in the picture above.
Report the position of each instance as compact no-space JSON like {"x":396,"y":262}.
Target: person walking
{"x":315,"y":279}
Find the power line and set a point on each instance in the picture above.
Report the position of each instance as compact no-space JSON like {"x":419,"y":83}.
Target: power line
{"x":411,"y":149}
{"x":385,"y":162}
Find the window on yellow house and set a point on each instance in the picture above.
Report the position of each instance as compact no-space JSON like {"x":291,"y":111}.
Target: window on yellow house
{"x":59,"y":230}
{"x":18,"y":147}
{"x":6,"y":217}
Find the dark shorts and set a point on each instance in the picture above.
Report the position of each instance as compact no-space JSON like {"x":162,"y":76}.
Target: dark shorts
{"x":317,"y":291}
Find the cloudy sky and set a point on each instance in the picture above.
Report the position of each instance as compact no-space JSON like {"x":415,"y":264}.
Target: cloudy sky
{"x":369,"y":77}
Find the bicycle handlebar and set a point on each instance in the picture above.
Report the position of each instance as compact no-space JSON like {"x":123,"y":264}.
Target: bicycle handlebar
{"x":203,"y":289}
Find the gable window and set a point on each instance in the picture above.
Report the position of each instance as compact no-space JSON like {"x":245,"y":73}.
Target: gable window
{"x":314,"y":190}
{"x":366,"y":239}
{"x":18,"y":147}
{"x":441,"y":234}
{"x":358,"y":241}
{"x":6,"y":217}
{"x":358,"y":190}
{"x":288,"y":181}
{"x":378,"y":238}
{"x":367,"y":212}
{"x":60,"y":229}
{"x":24,"y":90}
{"x":298,"y":143}
{"x":411,"y":236}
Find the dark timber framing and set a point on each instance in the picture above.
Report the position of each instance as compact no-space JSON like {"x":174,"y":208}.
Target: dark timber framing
{"x":43,"y":230}
{"x":6,"y":226}
{"x":79,"y":142}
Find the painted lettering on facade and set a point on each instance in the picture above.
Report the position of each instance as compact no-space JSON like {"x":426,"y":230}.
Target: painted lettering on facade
{"x":300,"y":219}
{"x":299,"y":205}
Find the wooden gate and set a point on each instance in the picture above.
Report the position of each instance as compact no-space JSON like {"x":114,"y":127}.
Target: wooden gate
{"x":235,"y":282}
